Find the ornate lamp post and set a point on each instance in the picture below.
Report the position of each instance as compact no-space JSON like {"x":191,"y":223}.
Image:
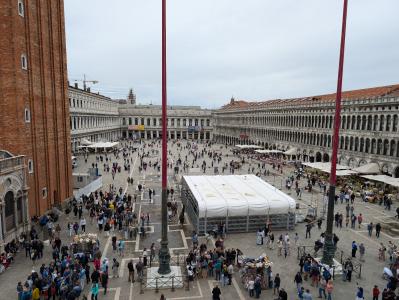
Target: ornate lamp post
{"x":164,"y":256}
{"x":329,"y":249}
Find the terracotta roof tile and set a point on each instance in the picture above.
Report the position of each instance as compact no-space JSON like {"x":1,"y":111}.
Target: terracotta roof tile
{"x":381,"y":91}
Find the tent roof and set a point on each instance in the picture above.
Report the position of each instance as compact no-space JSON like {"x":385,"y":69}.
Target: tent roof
{"x":291,"y":151}
{"x":265,"y":151}
{"x":249,"y":146}
{"x":383,"y":178}
{"x":237,"y":195}
{"x":103,"y":145}
{"x":346,"y":172}
{"x":324,"y":166}
{"x":371,"y":168}
{"x":85,"y":142}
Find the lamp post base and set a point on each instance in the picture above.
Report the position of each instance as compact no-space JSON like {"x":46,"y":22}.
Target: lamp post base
{"x":328,"y":251}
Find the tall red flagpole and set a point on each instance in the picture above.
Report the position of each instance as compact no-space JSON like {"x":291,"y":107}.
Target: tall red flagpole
{"x":164,"y":256}
{"x":329,"y":249}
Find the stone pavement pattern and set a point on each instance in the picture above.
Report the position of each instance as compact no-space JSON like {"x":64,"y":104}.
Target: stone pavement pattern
{"x":180,"y":239}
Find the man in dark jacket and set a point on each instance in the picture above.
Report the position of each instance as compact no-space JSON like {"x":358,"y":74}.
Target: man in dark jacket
{"x":104,"y":281}
{"x":216,"y":293}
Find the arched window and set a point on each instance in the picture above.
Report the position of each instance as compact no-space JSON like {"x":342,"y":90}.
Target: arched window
{"x":21,"y":9}
{"x":388,"y":124}
{"x":358,"y":121}
{"x":361,"y":148}
{"x":353,"y":122}
{"x":9,"y":210}
{"x":382,"y":122}
{"x":364,"y":121}
{"x":24,"y":62}
{"x":395,"y":123}
{"x":369,"y":122}
{"x":386,"y":147}
{"x":379,"y":146}
{"x":367,"y":149}
{"x":392,"y":148}
{"x":373,"y":146}
{"x":375,"y":123}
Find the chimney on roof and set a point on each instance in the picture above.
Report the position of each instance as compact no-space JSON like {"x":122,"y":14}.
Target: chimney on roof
{"x":232,"y":100}
{"x":76,"y":85}
{"x":88,"y":89}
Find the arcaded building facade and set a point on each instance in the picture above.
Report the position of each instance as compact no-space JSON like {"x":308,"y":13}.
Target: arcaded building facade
{"x":369,"y":126}
{"x":184,"y":122}
{"x":34,"y":113}
{"x":93,"y":117}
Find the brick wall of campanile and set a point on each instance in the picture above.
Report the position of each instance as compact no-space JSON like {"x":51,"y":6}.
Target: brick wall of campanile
{"x":42,"y":89}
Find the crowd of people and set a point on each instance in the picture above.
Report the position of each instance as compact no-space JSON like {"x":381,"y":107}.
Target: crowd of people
{"x":112,"y":213}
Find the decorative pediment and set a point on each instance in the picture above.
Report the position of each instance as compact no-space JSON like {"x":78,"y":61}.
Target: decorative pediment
{"x":11,"y":182}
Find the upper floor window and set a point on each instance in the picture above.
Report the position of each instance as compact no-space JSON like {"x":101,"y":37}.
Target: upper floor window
{"x":30,"y":166}
{"x":208,"y":122}
{"x":27,"y":115}
{"x":24,"y":62}
{"x":21,"y":10}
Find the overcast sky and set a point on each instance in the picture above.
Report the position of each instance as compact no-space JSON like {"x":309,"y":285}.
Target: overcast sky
{"x":250,"y":49}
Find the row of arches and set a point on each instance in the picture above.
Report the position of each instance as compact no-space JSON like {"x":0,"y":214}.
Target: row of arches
{"x":373,"y":122}
{"x":378,"y":146}
{"x":380,"y":122}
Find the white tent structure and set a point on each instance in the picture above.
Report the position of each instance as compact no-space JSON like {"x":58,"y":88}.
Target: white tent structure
{"x":291,"y":151}
{"x":383,"y":178}
{"x":267,"y":151}
{"x":241,"y":147}
{"x":242,"y":202}
{"x":371,"y":168}
{"x":324,"y":166}
{"x":85,"y":142}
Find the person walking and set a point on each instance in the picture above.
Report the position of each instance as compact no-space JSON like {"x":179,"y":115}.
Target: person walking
{"x":216,"y":293}
{"x":276,"y":285}
{"x":115,"y":268}
{"x":370,"y":227}
{"x":130,"y":267}
{"x":376,"y":292}
{"x":360,"y":220}
{"x":362,"y":251}
{"x":308,"y":229}
{"x":307,"y":295}
{"x":230,"y":271}
{"x":377,"y":230}
{"x":94,"y":291}
{"x":104,"y":281}
{"x":322,"y":287}
{"x":359,"y":293}
{"x":354,"y":248}
{"x":83,"y":224}
{"x":329,"y":289}
{"x":298,"y":281}
{"x":121,"y":247}
{"x":257,"y":288}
